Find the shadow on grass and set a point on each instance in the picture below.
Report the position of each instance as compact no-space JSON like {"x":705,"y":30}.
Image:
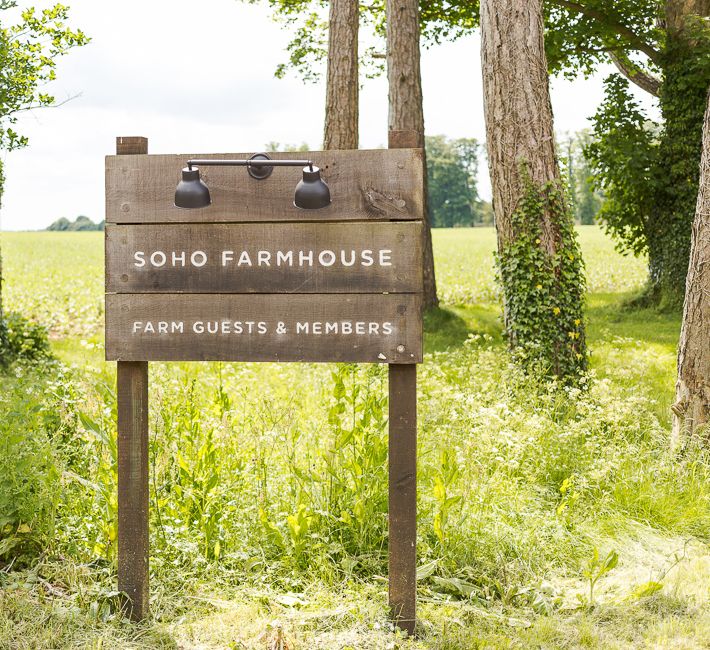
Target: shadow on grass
{"x":449,"y":327}
{"x":609,"y":316}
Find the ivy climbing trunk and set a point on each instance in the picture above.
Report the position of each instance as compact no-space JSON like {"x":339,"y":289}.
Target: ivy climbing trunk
{"x":406,"y":107}
{"x":538,"y":255}
{"x":692,"y":406}
{"x":342,"y":83}
{"x":686,"y":77}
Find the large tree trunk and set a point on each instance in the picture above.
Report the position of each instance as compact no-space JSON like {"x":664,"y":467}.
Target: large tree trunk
{"x":692,"y":407}
{"x":538,"y":253}
{"x":518,"y":113}
{"x":686,"y":77}
{"x":342,"y":84}
{"x":406,"y":108}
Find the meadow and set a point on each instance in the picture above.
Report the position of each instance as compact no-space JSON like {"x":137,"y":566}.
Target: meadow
{"x":549,"y":517}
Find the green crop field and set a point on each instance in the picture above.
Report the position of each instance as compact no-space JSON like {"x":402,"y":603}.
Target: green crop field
{"x":269,"y":491}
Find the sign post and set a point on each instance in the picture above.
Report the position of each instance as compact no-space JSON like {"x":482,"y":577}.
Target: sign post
{"x":251,"y":277}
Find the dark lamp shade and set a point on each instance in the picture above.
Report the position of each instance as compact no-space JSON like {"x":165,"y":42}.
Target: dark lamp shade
{"x":311,"y":193}
{"x":191,"y":192}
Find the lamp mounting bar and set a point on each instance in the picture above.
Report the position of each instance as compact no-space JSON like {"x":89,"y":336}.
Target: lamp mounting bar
{"x":251,"y":162}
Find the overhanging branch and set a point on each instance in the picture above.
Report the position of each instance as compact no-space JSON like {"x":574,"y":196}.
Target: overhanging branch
{"x":633,"y":72}
{"x":633,"y":38}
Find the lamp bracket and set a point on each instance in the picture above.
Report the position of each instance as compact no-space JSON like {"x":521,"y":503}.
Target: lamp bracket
{"x":259,"y":172}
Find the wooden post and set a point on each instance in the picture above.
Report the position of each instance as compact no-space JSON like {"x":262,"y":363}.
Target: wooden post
{"x":403,"y":471}
{"x":132,"y":381}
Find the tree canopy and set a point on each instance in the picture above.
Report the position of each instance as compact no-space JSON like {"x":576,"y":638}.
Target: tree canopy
{"x":29,"y":50}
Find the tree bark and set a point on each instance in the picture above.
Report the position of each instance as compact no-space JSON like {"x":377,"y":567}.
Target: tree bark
{"x":538,"y":255}
{"x":406,"y":107}
{"x":517,"y":109}
{"x":692,"y":407}
{"x":342,"y":83}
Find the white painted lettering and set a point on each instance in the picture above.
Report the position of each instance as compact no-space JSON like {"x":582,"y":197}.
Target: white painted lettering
{"x":286,"y":258}
{"x":302,"y":258}
{"x":178,"y":258}
{"x":343,"y":260}
{"x":227,"y":256}
{"x":385,"y":257}
{"x":264,"y":258}
{"x":158,"y":259}
{"x":137,"y":325}
{"x":139,"y":257}
{"x":366,"y":256}
{"x":326,"y":258}
{"x":387,"y":328}
{"x":198,"y":259}
{"x":244,"y":259}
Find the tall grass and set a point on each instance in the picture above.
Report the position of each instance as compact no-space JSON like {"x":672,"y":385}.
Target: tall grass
{"x":274,"y":475}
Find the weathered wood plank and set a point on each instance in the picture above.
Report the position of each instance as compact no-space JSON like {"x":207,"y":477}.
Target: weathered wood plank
{"x":403,"y":496}
{"x":377,"y":184}
{"x":264,"y":258}
{"x":132,"y":382}
{"x":132,"y":407}
{"x":375,"y":328}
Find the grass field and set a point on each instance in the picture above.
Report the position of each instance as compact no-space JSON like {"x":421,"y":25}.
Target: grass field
{"x":268,"y":482}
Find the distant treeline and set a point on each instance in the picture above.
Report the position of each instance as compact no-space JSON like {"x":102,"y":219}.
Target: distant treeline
{"x":452,"y":166}
{"x":80,"y":223}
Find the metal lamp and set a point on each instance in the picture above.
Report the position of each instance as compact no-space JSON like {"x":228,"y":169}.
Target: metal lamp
{"x":311,"y":192}
{"x":191,"y":191}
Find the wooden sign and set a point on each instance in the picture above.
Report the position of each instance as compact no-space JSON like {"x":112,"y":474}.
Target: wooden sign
{"x":252,"y":277}
{"x":366,"y":185}
{"x":265,"y":327}
{"x":264,"y":257}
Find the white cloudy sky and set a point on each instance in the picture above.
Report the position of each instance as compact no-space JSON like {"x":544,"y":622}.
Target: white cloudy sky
{"x":198,"y":77}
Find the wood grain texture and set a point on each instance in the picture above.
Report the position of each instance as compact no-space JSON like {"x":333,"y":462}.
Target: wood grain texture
{"x":377,"y":184}
{"x":403,"y":495}
{"x":132,"y":407}
{"x":244,"y":258}
{"x":131,"y":145}
{"x":184,"y":315}
{"x":132,"y":381}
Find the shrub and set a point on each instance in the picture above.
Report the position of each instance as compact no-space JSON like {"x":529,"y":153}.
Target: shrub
{"x":28,"y":471}
{"x":21,"y":338}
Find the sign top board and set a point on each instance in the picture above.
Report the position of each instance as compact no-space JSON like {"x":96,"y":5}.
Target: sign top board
{"x":252,"y":277}
{"x":366,"y":185}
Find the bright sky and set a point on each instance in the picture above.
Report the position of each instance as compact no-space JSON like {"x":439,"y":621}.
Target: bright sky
{"x":197,"y":77}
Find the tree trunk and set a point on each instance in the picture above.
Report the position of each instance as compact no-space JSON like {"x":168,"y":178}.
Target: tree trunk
{"x":538,"y":255}
{"x":406,"y":108}
{"x":518,"y":113}
{"x":692,"y":407}
{"x":342,"y":84}
{"x":682,"y":98}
